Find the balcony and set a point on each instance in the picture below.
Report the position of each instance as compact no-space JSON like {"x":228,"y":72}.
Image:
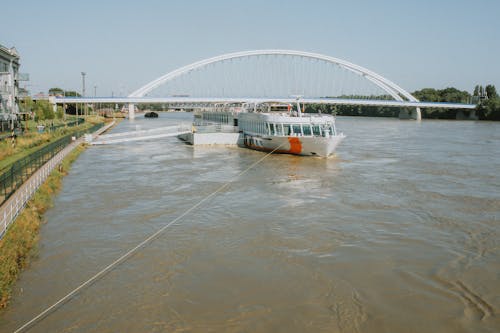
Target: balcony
{"x":22,"y":77}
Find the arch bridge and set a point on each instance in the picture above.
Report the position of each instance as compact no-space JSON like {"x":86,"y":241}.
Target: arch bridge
{"x":263,"y":76}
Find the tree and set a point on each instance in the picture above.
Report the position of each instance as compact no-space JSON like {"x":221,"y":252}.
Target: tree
{"x":491,"y":91}
{"x":453,"y":95}
{"x":476,"y":91}
{"x":60,"y":112}
{"x":56,"y":92}
{"x":427,"y":95}
{"x":72,"y":93}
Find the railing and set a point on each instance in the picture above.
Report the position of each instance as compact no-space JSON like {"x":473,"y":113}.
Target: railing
{"x":22,"y":169}
{"x":215,"y":128}
{"x":52,"y":128}
{"x":18,"y":132}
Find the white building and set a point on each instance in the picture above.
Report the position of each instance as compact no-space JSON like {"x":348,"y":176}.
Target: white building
{"x":9,"y":83}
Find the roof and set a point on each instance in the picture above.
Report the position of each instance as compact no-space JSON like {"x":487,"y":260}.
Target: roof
{"x":9,"y":51}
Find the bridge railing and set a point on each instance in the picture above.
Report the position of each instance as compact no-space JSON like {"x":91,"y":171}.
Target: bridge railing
{"x":209,"y":127}
{"x":21,"y":170}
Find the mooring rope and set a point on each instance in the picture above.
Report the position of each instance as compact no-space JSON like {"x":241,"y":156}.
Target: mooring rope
{"x":129,"y":253}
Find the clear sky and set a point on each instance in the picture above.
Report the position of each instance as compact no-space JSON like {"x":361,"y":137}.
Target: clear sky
{"x":123,"y":44}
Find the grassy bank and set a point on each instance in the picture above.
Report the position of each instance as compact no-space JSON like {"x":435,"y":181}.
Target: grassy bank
{"x":20,"y":242}
{"x":32,"y":141}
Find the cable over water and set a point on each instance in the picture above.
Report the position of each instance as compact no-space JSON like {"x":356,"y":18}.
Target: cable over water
{"x":132,"y":251}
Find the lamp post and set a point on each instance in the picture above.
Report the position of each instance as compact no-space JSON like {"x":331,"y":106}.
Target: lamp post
{"x":83,"y":91}
{"x":64,"y":107}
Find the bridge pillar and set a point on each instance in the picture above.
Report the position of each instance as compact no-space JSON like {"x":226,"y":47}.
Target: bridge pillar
{"x":417,"y":114}
{"x":131,"y":111}
{"x":472,"y":115}
{"x":460,"y":115}
{"x":413,"y":114}
{"x":466,"y":115}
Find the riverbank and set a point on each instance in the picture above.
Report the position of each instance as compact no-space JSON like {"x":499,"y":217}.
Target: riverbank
{"x":19,"y":244}
{"x":32,"y":141}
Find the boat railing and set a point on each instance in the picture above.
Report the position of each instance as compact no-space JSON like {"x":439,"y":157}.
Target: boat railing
{"x":215,"y":128}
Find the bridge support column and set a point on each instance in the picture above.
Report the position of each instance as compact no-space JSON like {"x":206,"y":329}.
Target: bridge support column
{"x":466,"y":115}
{"x":472,"y":115}
{"x":131,"y":111}
{"x":413,"y":114}
{"x":417,"y":114}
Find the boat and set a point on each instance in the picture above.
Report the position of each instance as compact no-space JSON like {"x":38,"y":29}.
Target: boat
{"x":311,"y":135}
{"x":283,"y":131}
{"x":151,"y":114}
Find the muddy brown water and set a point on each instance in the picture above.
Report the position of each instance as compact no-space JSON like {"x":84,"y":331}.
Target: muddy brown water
{"x":399,"y":232}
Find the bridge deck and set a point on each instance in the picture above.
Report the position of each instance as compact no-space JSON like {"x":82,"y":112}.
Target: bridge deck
{"x":213,"y":100}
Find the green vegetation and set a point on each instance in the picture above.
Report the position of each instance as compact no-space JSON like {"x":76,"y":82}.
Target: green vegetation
{"x":19,"y":243}
{"x":41,"y":110}
{"x":61,"y":92}
{"x":489,"y":102}
{"x":447,"y":95}
{"x":353,"y":110}
{"x":487,"y":98}
{"x":31,"y":140}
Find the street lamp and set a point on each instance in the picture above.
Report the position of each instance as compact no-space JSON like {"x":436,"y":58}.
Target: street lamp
{"x":83,"y":91}
{"x":94,"y":108}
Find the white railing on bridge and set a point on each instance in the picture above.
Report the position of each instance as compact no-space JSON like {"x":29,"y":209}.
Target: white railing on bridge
{"x":221,"y":100}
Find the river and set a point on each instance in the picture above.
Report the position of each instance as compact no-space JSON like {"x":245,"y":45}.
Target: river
{"x":399,"y":232}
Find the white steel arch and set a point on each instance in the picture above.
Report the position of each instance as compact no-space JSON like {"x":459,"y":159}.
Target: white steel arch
{"x":390,"y":87}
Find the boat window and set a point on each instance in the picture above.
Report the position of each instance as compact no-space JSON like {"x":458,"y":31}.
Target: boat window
{"x":271,"y":129}
{"x":296,"y":129}
{"x":286,"y":129}
{"x":279,"y":129}
{"x":316,"y":130}
{"x":332,"y":130}
{"x":306,"y":128}
{"x":325,"y":130}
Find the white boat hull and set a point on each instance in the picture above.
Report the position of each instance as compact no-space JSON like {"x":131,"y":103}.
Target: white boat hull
{"x":297,"y":145}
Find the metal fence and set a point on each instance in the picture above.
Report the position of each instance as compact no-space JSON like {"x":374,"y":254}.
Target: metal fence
{"x":6,"y":132}
{"x":22,"y":169}
{"x":52,"y":128}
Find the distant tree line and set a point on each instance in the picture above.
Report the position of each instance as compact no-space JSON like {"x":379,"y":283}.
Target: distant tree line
{"x":487,"y":99}
{"x":58,"y":92}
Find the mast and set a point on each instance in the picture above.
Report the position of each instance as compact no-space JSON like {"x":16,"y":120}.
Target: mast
{"x":298,"y":108}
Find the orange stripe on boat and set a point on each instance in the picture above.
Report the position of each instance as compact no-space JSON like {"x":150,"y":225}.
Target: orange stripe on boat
{"x":295,"y":145}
